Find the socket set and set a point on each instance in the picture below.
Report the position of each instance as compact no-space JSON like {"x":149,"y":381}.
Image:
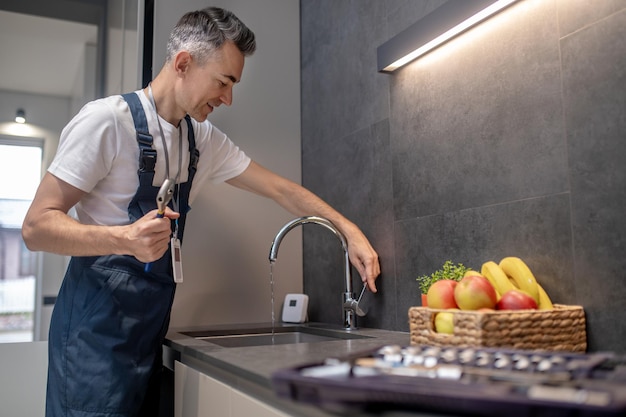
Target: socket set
{"x":463,"y":381}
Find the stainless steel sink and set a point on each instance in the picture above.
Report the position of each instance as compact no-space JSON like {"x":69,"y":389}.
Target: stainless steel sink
{"x":264,"y":336}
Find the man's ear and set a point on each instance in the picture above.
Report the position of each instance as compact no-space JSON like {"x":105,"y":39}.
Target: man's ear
{"x":182,"y":61}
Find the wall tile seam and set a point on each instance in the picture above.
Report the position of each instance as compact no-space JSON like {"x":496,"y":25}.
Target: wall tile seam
{"x":397,"y":313}
{"x":502,"y":203}
{"x":588,"y":25}
{"x":356,"y":130}
{"x":564,"y":136}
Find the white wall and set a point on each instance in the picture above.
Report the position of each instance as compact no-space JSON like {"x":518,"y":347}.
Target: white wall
{"x":229,"y":232}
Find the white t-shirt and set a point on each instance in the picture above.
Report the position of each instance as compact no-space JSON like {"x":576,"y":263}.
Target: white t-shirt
{"x":98,"y":153}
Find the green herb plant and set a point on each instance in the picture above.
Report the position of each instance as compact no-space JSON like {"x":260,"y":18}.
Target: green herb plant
{"x":448,"y":271}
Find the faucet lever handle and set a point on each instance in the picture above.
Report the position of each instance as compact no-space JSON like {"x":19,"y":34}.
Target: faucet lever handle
{"x":362,"y":291}
{"x":352,"y":304}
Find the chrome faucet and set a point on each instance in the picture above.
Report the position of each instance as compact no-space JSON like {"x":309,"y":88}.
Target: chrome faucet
{"x":350,"y":305}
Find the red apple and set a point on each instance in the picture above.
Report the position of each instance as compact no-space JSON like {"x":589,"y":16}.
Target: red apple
{"x":516,"y":300}
{"x":475,"y":292}
{"x":441,"y":294}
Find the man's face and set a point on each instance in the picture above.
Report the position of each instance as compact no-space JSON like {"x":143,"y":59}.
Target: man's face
{"x":211,"y":85}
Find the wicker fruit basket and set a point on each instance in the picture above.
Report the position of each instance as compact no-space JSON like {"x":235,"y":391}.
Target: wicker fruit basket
{"x":560,"y":329}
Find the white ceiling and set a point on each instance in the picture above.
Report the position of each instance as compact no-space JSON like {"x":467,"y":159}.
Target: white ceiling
{"x":42,"y":55}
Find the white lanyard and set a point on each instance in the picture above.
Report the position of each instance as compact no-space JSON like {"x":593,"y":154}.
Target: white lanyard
{"x":167,"y":157}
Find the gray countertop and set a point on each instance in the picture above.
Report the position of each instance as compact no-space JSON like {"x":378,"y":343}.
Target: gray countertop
{"x":259,"y":362}
{"x":250,"y":368}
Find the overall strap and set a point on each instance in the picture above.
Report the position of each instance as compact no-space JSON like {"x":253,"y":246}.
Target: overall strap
{"x":144,"y":199}
{"x":144,"y":138}
{"x":147,"y":155}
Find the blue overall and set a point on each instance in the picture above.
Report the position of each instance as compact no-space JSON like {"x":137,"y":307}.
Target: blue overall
{"x":111,"y":317}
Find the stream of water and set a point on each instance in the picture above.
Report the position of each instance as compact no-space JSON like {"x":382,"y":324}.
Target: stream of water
{"x":272,"y":297}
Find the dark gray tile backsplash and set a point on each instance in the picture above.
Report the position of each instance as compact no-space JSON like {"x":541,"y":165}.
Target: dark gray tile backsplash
{"x":510,"y":140}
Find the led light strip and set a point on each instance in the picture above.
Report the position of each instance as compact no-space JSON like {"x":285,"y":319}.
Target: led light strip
{"x":483,"y":14}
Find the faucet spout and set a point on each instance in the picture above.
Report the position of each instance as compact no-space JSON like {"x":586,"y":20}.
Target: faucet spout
{"x":348,"y":302}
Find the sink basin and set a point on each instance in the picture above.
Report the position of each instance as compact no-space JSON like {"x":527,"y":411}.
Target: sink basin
{"x":267,"y":336}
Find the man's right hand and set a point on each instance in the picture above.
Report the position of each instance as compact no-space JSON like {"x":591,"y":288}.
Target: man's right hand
{"x":149,"y":236}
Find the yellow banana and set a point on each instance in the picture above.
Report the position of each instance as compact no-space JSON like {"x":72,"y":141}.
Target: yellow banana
{"x":521,"y":274}
{"x":470,"y":272}
{"x":496,"y":276}
{"x":544,"y":300}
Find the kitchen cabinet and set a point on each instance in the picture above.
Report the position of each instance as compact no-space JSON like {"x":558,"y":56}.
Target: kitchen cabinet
{"x":23,"y":377}
{"x":199,"y":395}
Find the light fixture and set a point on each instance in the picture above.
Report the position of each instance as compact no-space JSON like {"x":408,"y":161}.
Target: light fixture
{"x":20,"y":116}
{"x":444,"y":23}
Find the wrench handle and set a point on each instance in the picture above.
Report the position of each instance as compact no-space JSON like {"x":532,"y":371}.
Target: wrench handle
{"x":148,"y":266}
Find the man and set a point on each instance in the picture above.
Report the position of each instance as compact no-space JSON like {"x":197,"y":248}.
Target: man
{"x":112,"y":311}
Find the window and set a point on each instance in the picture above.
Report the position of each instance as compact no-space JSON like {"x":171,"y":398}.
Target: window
{"x":28,"y":262}
{"x":20,"y":174}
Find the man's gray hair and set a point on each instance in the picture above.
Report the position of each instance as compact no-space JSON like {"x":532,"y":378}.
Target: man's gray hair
{"x":204,"y":31}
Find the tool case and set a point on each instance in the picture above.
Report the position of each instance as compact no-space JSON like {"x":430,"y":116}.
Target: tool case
{"x":463,"y":381}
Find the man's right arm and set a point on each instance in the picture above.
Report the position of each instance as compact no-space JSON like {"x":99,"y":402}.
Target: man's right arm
{"x":47,"y":227}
